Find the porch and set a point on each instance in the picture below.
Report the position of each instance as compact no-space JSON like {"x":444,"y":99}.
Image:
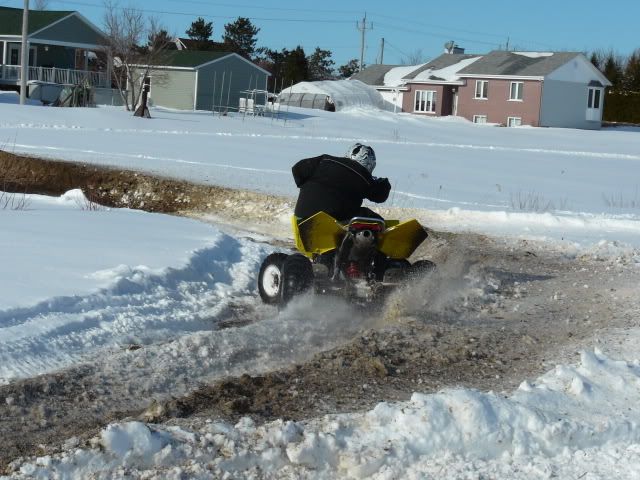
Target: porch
{"x":11,"y":75}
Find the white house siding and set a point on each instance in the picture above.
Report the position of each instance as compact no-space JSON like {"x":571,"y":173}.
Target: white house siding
{"x":71,"y":29}
{"x":564,"y":104}
{"x":173,"y":88}
{"x":245,"y":76}
{"x":392,"y":100}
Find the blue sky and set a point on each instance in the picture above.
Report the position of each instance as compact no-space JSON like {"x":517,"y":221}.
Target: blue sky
{"x":411,"y":28}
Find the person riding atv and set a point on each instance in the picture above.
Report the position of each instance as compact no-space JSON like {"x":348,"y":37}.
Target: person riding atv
{"x":338,"y":185}
{"x":342,"y":247}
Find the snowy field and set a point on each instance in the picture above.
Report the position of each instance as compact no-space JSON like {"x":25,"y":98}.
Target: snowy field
{"x":79,"y":282}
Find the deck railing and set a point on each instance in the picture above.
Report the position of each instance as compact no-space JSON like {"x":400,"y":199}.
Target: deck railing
{"x":55,"y":75}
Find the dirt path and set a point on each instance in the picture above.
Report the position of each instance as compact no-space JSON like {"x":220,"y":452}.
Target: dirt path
{"x":495,"y":312}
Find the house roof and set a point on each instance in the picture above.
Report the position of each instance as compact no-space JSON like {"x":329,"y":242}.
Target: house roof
{"x":189,"y":58}
{"x":11,"y":19}
{"x":442,"y":62}
{"x":518,"y":64}
{"x":373,"y":74}
{"x":190,"y":44}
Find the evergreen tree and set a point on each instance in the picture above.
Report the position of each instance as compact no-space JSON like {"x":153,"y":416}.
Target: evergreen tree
{"x":240,"y":37}
{"x":613,"y":70}
{"x":201,"y":31}
{"x":595,"y":60}
{"x":320,"y":65}
{"x":349,"y":68}
{"x":631,"y":81}
{"x":296,"y":66}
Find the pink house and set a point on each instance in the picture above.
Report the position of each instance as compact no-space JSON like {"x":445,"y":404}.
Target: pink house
{"x":548,"y":89}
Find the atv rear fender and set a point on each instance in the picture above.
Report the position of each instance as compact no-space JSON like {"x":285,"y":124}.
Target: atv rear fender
{"x":322,"y":233}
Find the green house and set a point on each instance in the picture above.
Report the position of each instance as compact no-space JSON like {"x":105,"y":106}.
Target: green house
{"x":199,"y":80}
{"x":61,"y":44}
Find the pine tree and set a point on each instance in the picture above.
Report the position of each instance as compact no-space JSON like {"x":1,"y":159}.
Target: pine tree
{"x":320,"y":65}
{"x":613,"y":71}
{"x":631,"y":81}
{"x":349,"y":68}
{"x":201,"y":31}
{"x":240,"y":36}
{"x":296,"y":66}
{"x":595,"y":60}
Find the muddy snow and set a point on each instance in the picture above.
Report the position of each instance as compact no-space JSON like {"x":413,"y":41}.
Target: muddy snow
{"x":496,"y":312}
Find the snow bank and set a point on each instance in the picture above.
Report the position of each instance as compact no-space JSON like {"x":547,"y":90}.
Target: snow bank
{"x":573,"y":421}
{"x":76,"y":281}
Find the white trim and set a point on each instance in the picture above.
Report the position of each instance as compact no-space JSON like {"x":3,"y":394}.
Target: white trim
{"x":521,"y":89}
{"x":162,"y":67}
{"x":502,"y":77}
{"x":509,"y":119}
{"x":391,"y":89}
{"x":429,"y":100}
{"x":72,"y":14}
{"x":434,"y":82}
{"x":4,"y":52}
{"x":604,"y":80}
{"x":85,"y":46}
{"x":233,"y":54}
{"x":30,"y":48}
{"x":51,"y":24}
{"x":475,"y":117}
{"x":195,"y":92}
{"x":197,"y":67}
{"x":484,"y":89}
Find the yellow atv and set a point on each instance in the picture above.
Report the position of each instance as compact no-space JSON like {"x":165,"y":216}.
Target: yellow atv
{"x":360,"y":260}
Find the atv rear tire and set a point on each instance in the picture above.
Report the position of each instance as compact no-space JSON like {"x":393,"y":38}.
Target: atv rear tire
{"x":421,"y":268}
{"x":297,"y":275}
{"x":271,"y":278}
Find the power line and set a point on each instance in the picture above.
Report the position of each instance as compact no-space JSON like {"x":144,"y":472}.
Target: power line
{"x":204,"y":15}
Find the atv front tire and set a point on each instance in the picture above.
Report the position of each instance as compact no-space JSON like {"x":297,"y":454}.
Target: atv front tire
{"x":271,"y":278}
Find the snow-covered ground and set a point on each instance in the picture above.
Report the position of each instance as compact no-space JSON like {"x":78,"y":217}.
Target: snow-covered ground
{"x":78,"y":281}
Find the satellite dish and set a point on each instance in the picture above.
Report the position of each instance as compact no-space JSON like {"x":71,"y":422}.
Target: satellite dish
{"x":449,"y":45}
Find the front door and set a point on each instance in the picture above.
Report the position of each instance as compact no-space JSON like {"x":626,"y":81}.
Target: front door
{"x":594,"y":104}
{"x":14,"y":55}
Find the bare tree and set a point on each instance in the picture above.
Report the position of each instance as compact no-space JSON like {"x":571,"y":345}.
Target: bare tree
{"x":134,"y":46}
{"x":41,"y":4}
{"x":414,"y":58}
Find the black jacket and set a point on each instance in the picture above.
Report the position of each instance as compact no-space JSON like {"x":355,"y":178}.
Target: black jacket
{"x":335,"y":185}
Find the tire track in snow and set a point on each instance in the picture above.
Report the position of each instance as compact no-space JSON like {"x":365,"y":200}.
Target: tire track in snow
{"x":138,"y":309}
{"x":304,"y":138}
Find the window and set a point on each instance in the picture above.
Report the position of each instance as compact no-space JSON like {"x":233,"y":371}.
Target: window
{"x":516,"y":91}
{"x":594,"y":98}
{"x":514,"y":121}
{"x":425,"y":101}
{"x":479,"y":119}
{"x":482,"y":88}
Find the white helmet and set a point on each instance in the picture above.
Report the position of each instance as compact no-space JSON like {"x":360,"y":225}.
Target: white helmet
{"x":362,"y":154}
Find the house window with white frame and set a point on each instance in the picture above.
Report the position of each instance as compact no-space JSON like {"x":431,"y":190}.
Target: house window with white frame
{"x":482,"y":89}
{"x":479,"y":119}
{"x":425,"y":101}
{"x":514,"y":121}
{"x":594,"y":98}
{"x":515,"y":92}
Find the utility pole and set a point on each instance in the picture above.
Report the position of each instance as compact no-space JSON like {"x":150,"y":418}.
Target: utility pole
{"x":507,"y":47}
{"x":363,"y":28}
{"x":382,"y":50}
{"x":24,"y":54}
